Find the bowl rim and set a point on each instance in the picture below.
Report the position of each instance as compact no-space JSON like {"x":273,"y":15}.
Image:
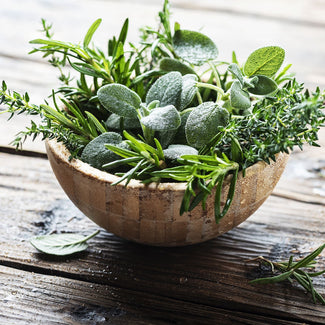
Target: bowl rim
{"x":59,"y":150}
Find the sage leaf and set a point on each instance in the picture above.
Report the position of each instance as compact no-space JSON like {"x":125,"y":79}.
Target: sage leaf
{"x":194,"y":47}
{"x":162,"y":119}
{"x":167,"y":89}
{"x":119,"y":99}
{"x":169,"y":64}
{"x":116,"y":122}
{"x":264,"y":61}
{"x":180,"y":136}
{"x":235,"y":70}
{"x":91,"y":32}
{"x":166,"y":137}
{"x":239,"y":98}
{"x":264,"y":86}
{"x":204,"y":122}
{"x":61,"y":244}
{"x":175,"y":151}
{"x":189,"y":89}
{"x":96,"y":154}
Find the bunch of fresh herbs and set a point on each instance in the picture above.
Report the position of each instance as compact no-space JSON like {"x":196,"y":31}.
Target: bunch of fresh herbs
{"x":168,"y":109}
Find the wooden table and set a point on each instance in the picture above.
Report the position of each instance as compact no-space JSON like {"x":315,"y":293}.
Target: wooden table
{"x":118,"y":282}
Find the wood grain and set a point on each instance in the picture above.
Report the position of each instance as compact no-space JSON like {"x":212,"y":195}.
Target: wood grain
{"x":77,"y":302}
{"x":115,"y":281}
{"x":211,"y":275}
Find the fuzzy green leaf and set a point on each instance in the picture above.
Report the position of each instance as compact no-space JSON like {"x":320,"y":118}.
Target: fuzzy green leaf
{"x":96,"y":154}
{"x":114,"y":122}
{"x":119,"y":99}
{"x":194,"y":47}
{"x":169,"y":64}
{"x":61,"y":244}
{"x":204,"y":122}
{"x":235,"y":70}
{"x":162,"y":119}
{"x":264,"y":86}
{"x":167,"y":89}
{"x":175,"y":151}
{"x":239,"y":98}
{"x":180,"y":136}
{"x":189,"y":89}
{"x":264,"y":61}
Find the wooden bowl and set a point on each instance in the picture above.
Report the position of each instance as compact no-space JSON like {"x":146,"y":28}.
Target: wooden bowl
{"x":149,"y":214}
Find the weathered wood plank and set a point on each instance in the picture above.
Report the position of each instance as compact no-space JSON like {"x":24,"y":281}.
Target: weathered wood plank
{"x":76,"y":302}
{"x":213,"y":274}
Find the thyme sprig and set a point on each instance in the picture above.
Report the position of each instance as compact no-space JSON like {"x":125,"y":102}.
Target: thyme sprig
{"x":300,"y":271}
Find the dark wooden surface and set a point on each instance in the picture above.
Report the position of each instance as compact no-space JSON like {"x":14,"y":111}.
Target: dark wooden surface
{"x":118,"y":282}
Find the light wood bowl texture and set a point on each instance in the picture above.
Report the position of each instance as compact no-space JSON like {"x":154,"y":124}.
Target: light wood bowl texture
{"x":149,"y":214}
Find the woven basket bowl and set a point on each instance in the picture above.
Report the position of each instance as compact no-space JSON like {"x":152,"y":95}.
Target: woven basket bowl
{"x":149,"y":214}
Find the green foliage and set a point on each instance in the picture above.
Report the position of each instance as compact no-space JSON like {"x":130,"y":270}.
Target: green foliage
{"x":96,"y":154}
{"x":194,"y":119}
{"x":162,"y":119}
{"x":204,"y":122}
{"x":169,"y":64}
{"x":194,"y":47}
{"x":265,"y":61}
{"x":263,"y":86}
{"x":61,"y":244}
{"x":300,"y":271}
{"x":167,"y":90}
{"x":189,"y":90}
{"x":175,"y":151}
{"x":119,"y":99}
{"x":239,"y":98}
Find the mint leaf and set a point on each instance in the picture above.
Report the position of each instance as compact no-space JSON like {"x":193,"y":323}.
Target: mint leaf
{"x":119,"y":99}
{"x":194,"y":47}
{"x":264,"y":61}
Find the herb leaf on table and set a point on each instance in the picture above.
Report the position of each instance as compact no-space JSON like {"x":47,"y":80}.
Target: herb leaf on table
{"x":61,"y":244}
{"x":301,"y":271}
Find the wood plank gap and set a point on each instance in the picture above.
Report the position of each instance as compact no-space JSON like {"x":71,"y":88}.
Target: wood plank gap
{"x":22,"y":58}
{"x":234,"y":12}
{"x":26,"y":153}
{"x":65,"y":275}
{"x":190,"y":6}
{"x":298,"y":197}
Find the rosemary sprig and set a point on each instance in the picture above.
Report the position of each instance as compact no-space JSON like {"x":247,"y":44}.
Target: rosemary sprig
{"x":299,"y":271}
